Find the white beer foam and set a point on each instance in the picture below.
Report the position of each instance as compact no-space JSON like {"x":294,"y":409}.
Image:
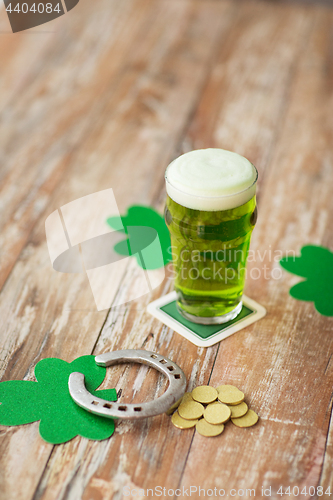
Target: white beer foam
{"x":211,"y":179}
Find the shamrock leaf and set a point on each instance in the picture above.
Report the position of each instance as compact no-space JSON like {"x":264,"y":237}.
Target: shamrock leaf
{"x":142,"y":224}
{"x":48,"y":400}
{"x":316,"y":265}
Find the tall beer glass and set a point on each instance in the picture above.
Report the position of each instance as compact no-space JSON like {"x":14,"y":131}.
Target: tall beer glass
{"x":210,"y":212}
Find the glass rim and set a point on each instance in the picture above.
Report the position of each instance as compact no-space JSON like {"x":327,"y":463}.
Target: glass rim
{"x":212,"y":197}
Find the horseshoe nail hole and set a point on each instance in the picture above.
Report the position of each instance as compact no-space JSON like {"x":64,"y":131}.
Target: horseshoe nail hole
{"x":163,"y":361}
{"x":137,"y":408}
{"x":177,"y":375}
{"x":171,"y":368}
{"x":122,"y":408}
{"x":153,"y":356}
{"x":107,"y":405}
{"x":94,"y":403}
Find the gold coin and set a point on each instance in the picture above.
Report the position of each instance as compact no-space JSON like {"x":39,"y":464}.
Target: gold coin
{"x":181,"y":423}
{"x":187,"y":397}
{"x":238,"y":410}
{"x":250,"y":418}
{"x":174,"y":407}
{"x":204,"y":394}
{"x":209,"y":430}
{"x":191,"y":410}
{"x":217,"y":413}
{"x":230,"y":395}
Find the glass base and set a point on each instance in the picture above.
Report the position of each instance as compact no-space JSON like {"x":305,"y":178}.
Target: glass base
{"x":212,"y":320}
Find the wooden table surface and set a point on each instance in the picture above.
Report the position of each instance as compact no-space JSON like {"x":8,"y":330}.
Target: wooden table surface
{"x":107,"y":96}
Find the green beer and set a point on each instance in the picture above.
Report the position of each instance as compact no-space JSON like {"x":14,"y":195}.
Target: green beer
{"x":210,"y":212}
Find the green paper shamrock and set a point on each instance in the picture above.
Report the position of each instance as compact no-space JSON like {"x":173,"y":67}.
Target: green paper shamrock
{"x":141,"y":224}
{"x":316,"y":265}
{"x":48,"y":400}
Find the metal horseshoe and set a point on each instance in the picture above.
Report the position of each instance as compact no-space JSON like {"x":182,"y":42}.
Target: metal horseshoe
{"x":175,"y":390}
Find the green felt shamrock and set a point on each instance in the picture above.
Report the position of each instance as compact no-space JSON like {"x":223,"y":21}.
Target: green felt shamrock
{"x":48,"y":400}
{"x":141,"y":224}
{"x":316,"y":265}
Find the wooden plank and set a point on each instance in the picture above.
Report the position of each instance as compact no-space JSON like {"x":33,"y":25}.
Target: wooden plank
{"x":52,"y":314}
{"x":326,"y":479}
{"x":15,"y":50}
{"x":244,"y":99}
{"x":283,"y":362}
{"x":49,"y":130}
{"x":150,"y":453}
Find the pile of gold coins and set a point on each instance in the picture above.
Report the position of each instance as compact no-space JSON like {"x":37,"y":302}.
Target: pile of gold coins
{"x":208,"y":409}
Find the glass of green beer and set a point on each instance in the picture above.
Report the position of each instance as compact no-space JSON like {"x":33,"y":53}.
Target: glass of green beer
{"x":210,"y":213}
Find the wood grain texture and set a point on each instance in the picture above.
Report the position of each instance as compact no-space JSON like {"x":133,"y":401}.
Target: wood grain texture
{"x":282,"y":363}
{"x":163,"y":77}
{"x":77,"y":66}
{"x":147,"y":106}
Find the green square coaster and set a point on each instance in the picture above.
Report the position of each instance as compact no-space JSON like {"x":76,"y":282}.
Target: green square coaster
{"x":166,"y":311}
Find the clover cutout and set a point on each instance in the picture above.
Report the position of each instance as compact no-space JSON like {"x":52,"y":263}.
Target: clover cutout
{"x":141,"y":225}
{"x":48,"y":400}
{"x":316,"y":265}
